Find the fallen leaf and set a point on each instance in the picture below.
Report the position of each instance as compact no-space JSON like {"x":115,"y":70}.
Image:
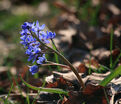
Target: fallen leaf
{"x":59,"y":83}
{"x":82,"y":68}
{"x":94,"y":94}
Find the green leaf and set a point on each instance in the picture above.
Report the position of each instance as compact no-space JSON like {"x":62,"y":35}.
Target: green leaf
{"x":50,"y":90}
{"x":112,"y":75}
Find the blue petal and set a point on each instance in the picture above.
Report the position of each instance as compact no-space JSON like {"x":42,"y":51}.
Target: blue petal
{"x":42,"y":27}
{"x":37,"y":24}
{"x":30,"y":57}
{"x":23,"y":37}
{"x":50,"y":35}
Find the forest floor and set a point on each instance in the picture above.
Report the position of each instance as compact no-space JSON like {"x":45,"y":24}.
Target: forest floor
{"x":88,"y":34}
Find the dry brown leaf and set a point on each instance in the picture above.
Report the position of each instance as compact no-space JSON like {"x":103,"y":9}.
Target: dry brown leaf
{"x":82,"y":68}
{"x":94,"y":94}
{"x":59,"y":83}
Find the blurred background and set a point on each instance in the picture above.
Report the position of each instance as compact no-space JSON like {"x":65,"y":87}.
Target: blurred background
{"x":83,"y":29}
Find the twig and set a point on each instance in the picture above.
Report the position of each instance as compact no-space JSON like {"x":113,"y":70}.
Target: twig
{"x":52,"y":63}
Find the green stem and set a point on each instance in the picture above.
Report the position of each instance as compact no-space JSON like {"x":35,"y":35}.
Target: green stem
{"x":55,"y":45}
{"x":66,"y":61}
{"x":50,"y":90}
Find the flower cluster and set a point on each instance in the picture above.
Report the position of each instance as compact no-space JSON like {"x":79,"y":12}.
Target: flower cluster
{"x":33,"y":47}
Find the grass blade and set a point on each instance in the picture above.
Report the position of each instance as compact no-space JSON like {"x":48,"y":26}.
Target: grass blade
{"x":111,"y":47}
{"x":117,"y":59}
{"x":9,"y":93}
{"x":112,"y":75}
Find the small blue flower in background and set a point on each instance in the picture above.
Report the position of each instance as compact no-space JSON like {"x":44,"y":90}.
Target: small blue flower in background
{"x":34,"y":50}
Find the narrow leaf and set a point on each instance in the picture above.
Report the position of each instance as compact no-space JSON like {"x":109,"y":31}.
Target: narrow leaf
{"x":112,"y":75}
{"x":50,"y":90}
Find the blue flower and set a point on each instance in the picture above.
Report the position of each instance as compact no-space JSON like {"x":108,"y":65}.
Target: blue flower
{"x":41,"y":59}
{"x":31,"y":57}
{"x":30,"y":39}
{"x":23,"y":37}
{"x":34,"y":49}
{"x":37,"y":28}
{"x":50,"y":35}
{"x":26,"y":25}
{"x":28,"y":52}
{"x":34,"y":69}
